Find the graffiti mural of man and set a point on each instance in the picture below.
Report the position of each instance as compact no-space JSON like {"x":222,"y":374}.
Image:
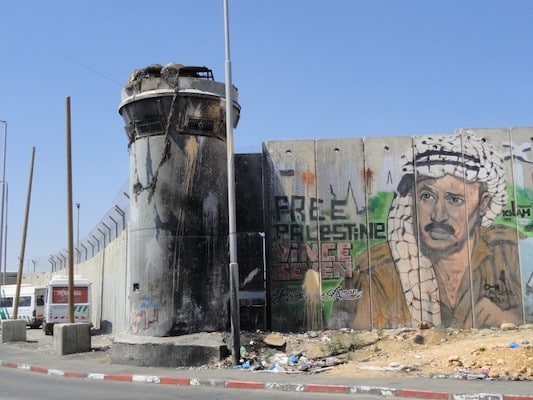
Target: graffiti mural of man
{"x":445,"y":263}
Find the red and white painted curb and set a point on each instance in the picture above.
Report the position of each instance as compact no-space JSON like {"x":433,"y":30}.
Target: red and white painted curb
{"x":294,"y":387}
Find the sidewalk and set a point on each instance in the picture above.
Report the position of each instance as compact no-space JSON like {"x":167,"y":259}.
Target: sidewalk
{"x":95,"y":365}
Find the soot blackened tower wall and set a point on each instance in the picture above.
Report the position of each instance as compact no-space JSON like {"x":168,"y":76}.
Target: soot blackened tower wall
{"x":175,"y":123}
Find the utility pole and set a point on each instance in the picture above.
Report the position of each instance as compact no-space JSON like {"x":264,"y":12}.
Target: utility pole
{"x":23,"y":243}
{"x":3,"y":206}
{"x":78,"y":234}
{"x":232,"y":234}
{"x":70,"y":239}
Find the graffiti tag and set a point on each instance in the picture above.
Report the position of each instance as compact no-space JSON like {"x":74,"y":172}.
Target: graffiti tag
{"x":339,"y":294}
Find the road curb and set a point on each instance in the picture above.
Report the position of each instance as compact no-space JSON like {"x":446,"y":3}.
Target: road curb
{"x":292,"y":387}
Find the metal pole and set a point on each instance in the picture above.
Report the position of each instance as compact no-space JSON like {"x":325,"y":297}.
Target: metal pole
{"x":263,"y":246}
{"x":70,"y":239}
{"x":84,"y":248}
{"x":5,"y":230}
{"x":62,"y":261}
{"x":103,"y":235}
{"x":116,"y":225}
{"x":52,"y":263}
{"x":23,"y":244}
{"x":3,"y":203}
{"x":92,"y":246}
{"x":233,"y":265}
{"x":123,"y":215}
{"x":97,"y":241}
{"x":109,"y":230}
{"x":78,"y":234}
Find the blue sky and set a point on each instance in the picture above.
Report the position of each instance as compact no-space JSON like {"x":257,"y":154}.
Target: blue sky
{"x":305,"y":69}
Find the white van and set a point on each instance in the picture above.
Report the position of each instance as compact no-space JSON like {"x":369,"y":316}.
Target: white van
{"x":56,"y":303}
{"x":30,"y":306}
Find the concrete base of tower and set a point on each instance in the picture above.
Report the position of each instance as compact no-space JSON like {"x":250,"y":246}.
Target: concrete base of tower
{"x":177,"y":351}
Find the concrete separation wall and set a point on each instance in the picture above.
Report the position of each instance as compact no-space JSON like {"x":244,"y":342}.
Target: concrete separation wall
{"x":341,"y":238}
{"x":108,"y":272}
{"x":351,"y":231}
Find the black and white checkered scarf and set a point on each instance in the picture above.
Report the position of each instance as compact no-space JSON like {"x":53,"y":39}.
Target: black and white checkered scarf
{"x":462,"y":155}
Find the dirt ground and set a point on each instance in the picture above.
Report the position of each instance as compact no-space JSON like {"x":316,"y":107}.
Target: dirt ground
{"x":465,"y":354}
{"x":462,"y":354}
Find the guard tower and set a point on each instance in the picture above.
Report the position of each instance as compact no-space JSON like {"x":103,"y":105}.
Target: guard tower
{"x":175,"y":121}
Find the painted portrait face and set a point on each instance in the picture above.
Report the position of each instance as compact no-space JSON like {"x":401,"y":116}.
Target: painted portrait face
{"x":448,"y":209}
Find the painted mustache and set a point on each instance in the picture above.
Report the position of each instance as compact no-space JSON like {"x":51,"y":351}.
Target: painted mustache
{"x":439,"y":226}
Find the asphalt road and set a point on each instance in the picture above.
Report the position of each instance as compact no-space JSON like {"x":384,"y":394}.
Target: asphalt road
{"x":23,"y":385}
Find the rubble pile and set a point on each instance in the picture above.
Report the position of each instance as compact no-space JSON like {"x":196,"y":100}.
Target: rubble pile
{"x":270,"y":353}
{"x":504,"y":353}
